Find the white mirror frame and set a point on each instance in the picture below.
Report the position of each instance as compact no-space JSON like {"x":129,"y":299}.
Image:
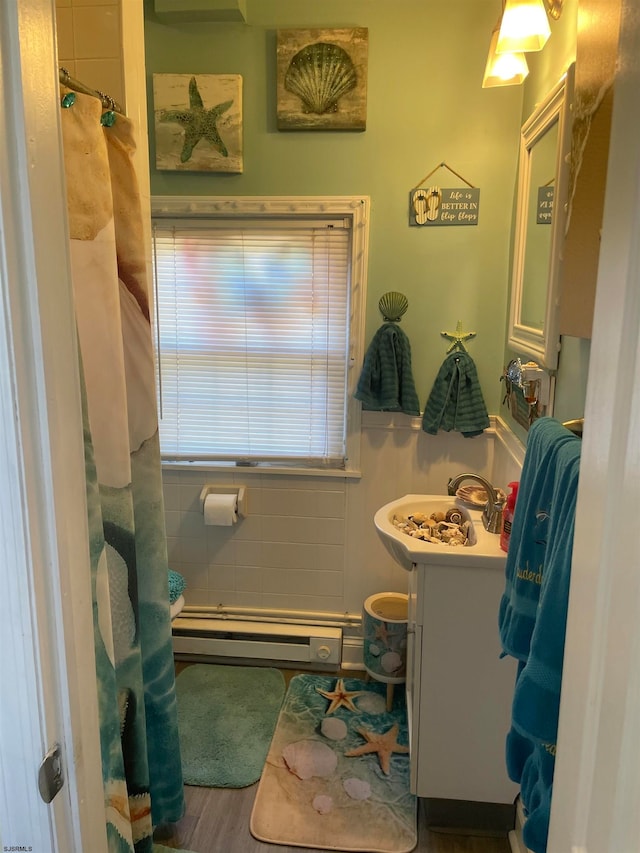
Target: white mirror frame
{"x":542,"y":345}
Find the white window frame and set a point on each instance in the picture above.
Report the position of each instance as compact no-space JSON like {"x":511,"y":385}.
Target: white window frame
{"x":356,"y":209}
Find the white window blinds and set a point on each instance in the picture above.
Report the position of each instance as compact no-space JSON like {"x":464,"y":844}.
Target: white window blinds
{"x":252,"y":339}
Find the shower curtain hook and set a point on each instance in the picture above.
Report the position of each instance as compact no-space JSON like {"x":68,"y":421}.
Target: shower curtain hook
{"x":108,"y":118}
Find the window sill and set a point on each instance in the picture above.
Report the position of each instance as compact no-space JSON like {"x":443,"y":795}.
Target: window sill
{"x":262,"y":470}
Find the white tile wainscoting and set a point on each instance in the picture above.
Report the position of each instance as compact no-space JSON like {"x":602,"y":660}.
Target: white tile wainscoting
{"x":308,"y":542}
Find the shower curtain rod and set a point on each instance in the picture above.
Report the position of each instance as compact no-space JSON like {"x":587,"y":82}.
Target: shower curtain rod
{"x":106,"y":100}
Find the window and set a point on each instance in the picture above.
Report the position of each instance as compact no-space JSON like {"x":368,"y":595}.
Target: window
{"x":258,"y":328}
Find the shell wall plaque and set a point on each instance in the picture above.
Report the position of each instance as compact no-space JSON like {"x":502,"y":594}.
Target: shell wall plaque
{"x":322,"y":79}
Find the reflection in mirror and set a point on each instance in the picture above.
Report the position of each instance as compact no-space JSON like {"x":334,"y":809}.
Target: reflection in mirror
{"x":540,"y":220}
{"x":529,"y":391}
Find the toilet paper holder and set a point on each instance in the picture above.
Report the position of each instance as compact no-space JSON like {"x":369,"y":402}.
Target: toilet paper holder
{"x":239,"y":491}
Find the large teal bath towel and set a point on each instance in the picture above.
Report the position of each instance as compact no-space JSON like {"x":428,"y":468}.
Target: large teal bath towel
{"x":533,"y":614}
{"x":386,"y":382}
{"x":536,"y":703}
{"x":529,"y":535}
{"x":536,"y":787}
{"x":537,"y":695}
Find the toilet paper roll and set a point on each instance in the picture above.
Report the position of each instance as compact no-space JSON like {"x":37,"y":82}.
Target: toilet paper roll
{"x":220,"y":510}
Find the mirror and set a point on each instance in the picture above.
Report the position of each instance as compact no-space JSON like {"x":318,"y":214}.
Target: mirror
{"x":540,"y":224}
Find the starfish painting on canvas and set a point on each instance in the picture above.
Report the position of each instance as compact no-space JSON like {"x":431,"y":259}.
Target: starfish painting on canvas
{"x":198,"y":122}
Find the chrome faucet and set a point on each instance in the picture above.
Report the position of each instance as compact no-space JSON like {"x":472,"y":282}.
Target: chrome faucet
{"x":492,"y":512}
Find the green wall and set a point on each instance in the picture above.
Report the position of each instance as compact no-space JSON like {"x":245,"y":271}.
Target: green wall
{"x":425,"y":106}
{"x":548,"y":65}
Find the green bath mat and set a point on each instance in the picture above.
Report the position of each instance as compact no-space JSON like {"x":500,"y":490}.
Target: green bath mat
{"x":226,"y":719}
{"x":337,"y":773}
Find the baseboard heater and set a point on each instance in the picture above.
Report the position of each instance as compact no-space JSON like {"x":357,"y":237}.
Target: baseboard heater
{"x":267,"y":642}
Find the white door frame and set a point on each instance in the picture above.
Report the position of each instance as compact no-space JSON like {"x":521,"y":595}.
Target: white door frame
{"x":596,"y":794}
{"x":47,"y":665}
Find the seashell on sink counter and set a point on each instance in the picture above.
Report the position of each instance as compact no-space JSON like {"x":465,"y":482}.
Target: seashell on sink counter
{"x":442,"y":528}
{"x":481,"y":551}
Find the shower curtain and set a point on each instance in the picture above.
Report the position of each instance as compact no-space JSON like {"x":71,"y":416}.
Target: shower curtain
{"x":141,"y":765}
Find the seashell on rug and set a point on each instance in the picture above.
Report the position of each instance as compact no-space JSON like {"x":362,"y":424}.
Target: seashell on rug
{"x":308,"y":758}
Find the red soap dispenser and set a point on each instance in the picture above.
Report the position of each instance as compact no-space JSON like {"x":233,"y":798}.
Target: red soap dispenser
{"x":507,"y":516}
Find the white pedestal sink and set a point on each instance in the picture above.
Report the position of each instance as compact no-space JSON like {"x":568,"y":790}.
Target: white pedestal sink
{"x":483,"y":548}
{"x":459,"y":690}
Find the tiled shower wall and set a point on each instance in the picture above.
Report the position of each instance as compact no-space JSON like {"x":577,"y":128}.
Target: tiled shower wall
{"x":90,"y":43}
{"x":308,"y":543}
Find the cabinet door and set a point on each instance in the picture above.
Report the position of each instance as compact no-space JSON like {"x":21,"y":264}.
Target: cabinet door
{"x":463,"y":706}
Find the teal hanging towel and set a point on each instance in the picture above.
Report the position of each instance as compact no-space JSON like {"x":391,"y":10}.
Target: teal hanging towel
{"x":386,"y":382}
{"x":456,"y":401}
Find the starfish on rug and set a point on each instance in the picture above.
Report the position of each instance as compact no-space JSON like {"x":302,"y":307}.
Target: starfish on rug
{"x":340,"y":696}
{"x":384,"y":744}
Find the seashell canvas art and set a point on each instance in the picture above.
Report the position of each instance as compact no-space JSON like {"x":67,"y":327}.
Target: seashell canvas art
{"x":322,"y":79}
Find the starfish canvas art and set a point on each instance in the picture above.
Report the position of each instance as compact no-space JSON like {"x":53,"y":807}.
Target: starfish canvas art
{"x":198,"y":122}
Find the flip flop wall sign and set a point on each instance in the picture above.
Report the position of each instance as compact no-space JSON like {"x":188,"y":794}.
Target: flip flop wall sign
{"x":444,"y":206}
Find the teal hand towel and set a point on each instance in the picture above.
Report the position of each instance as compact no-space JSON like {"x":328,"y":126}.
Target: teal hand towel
{"x":386,"y":382}
{"x":456,"y":401}
{"x":177,"y":586}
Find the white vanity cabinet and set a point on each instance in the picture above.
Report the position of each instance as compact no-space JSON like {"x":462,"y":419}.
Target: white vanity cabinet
{"x":459,"y":690}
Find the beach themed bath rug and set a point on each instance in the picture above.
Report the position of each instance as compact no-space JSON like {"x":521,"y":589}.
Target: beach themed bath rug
{"x":226,"y":719}
{"x":337,"y":772}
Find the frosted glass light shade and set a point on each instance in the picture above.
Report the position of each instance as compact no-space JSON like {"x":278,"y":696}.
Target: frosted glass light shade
{"x":525,"y":26}
{"x":503,"y":69}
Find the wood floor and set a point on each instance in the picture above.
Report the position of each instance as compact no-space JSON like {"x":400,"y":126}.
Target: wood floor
{"x":217,"y":821}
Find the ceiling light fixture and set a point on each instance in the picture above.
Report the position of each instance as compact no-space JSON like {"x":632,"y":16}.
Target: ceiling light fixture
{"x":503,"y":69}
{"x":524,"y":26}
